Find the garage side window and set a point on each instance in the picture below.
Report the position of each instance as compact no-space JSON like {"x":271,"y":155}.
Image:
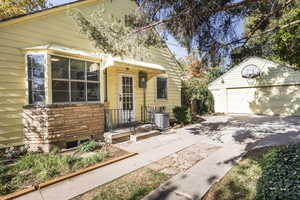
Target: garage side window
{"x":74,"y":80}
{"x":162,"y":88}
{"x":35,"y":77}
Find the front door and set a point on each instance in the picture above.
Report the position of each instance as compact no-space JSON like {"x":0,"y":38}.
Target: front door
{"x":126,"y":98}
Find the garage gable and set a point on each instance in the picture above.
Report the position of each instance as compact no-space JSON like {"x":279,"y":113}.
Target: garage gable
{"x":271,"y":74}
{"x":276,"y":91}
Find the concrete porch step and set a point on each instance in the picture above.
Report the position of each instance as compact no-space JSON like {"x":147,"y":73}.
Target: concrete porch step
{"x":125,"y":134}
{"x":144,"y":135}
{"x":117,"y":136}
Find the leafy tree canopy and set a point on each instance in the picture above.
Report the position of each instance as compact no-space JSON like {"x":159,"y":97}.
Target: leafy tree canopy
{"x":210,"y":26}
{"x":11,"y":8}
{"x":282,"y":41}
{"x":115,"y":36}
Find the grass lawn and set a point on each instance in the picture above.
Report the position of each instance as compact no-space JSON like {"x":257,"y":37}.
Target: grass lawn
{"x":132,"y":186}
{"x":34,"y":168}
{"x":267,"y":173}
{"x":240,"y":182}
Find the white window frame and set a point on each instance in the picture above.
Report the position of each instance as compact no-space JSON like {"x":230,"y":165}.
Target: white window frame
{"x":45,"y":74}
{"x":69,"y":80}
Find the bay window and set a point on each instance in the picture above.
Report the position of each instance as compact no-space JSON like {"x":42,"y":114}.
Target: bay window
{"x":36,"y":83}
{"x":70,"y":80}
{"x":74,"y":80}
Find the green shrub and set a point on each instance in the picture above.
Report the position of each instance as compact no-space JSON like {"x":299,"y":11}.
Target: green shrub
{"x":205,"y":101}
{"x":87,"y":146}
{"x":93,"y":159}
{"x":55,"y":150}
{"x":183,"y":114}
{"x":281,"y":175}
{"x":35,"y":168}
{"x":4,"y":179}
{"x":45,"y":166}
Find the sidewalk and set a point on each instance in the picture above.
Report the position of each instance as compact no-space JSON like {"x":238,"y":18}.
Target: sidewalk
{"x":150,"y":150}
{"x":195,"y":182}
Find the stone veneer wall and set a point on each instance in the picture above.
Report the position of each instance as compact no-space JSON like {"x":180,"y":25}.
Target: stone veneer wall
{"x":46,"y":126}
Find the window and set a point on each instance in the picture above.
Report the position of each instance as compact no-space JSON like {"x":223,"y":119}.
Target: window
{"x":74,"y":80}
{"x":36,"y":84}
{"x":162,"y":88}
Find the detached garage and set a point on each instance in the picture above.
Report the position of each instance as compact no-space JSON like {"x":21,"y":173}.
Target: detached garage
{"x":258,"y":86}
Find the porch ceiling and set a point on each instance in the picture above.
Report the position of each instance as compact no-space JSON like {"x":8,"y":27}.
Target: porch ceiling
{"x":119,"y":62}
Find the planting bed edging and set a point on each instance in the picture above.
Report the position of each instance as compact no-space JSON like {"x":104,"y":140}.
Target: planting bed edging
{"x":64,"y":177}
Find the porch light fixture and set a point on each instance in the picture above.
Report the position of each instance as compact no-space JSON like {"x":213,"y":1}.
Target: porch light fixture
{"x":142,"y":79}
{"x":94,"y":67}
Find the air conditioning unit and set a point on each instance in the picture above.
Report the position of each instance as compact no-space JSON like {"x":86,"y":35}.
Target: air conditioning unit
{"x":161,"y":120}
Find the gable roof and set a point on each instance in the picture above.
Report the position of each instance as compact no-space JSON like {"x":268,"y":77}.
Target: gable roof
{"x":38,"y":13}
{"x":44,"y":12}
{"x":236,"y":66}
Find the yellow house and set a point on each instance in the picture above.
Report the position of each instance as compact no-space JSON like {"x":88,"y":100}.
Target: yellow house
{"x":45,"y":60}
{"x":258,"y":86}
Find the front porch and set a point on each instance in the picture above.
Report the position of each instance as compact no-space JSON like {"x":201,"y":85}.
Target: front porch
{"x":131,"y":93}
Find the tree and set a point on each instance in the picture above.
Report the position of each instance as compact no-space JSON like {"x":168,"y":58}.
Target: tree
{"x":209,"y":26}
{"x":10,"y":8}
{"x":195,"y":79}
{"x":278,"y":37}
{"x":116,"y":37}
{"x":205,"y":26}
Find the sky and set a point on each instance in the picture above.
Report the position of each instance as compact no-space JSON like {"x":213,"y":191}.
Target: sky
{"x":173,"y":45}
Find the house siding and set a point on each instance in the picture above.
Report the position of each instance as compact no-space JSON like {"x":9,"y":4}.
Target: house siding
{"x":275,"y":92}
{"x":53,"y":28}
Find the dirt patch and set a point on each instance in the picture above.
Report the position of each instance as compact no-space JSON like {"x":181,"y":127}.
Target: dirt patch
{"x":183,"y":160}
{"x":114,"y":152}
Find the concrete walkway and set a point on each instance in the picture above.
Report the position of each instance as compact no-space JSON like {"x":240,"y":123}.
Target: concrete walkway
{"x":149,"y":150}
{"x":195,"y":182}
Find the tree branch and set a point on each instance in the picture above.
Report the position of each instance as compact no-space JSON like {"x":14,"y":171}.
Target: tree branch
{"x":265,"y":32}
{"x":231,"y":6}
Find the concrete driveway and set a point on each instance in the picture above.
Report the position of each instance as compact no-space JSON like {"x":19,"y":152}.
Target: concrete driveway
{"x":253,"y":131}
{"x":236,"y":134}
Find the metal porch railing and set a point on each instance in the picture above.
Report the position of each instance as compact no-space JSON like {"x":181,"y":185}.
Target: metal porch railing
{"x":118,"y":118}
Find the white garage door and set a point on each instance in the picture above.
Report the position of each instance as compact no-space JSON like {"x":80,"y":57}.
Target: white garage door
{"x":277,"y":100}
{"x":239,"y":100}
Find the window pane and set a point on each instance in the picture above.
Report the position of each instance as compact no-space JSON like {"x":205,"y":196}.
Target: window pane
{"x":36,"y":89}
{"x":92,"y":71}
{"x":60,"y":67}
{"x":93,"y":92}
{"x":77,"y":70}
{"x":60,"y":91}
{"x":161,"y":88}
{"x":78,"y":91}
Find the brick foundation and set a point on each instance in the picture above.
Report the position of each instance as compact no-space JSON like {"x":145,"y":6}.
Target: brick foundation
{"x":46,"y":126}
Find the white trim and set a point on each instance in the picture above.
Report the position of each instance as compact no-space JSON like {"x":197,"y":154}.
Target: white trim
{"x":63,"y":49}
{"x":133,"y":92}
{"x":110,"y":62}
{"x":45,"y":77}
